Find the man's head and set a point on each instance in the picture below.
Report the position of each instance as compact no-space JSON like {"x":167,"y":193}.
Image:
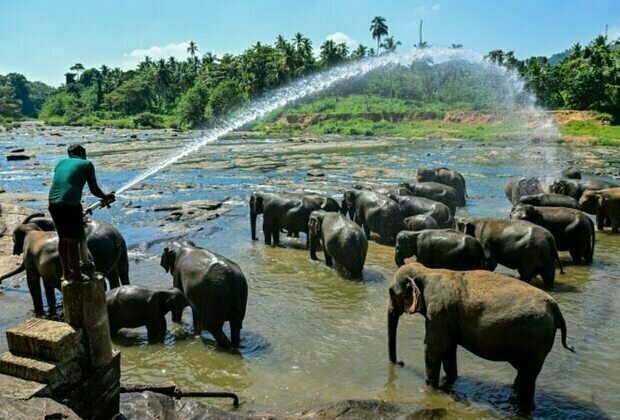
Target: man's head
{"x":76,"y":150}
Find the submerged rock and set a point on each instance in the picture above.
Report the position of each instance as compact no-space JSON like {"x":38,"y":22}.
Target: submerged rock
{"x":17,"y":157}
{"x":315,"y":173}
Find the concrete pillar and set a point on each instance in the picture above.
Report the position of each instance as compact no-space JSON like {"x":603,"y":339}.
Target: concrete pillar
{"x":85,"y":308}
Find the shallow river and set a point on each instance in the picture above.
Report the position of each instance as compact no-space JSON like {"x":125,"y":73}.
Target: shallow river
{"x":311,"y":337}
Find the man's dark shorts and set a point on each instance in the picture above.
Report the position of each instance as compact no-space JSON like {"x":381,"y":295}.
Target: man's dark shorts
{"x":68,"y":220}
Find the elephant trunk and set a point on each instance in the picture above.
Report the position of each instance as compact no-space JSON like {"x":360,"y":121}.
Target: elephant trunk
{"x":313,"y":243}
{"x":253,"y":222}
{"x":12,"y":273}
{"x":393,"y":318}
{"x":398,"y":258}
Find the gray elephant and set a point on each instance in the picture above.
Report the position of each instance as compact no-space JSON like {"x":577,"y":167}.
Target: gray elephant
{"x":605,"y":204}
{"x":374,"y":213}
{"x":105,"y":243}
{"x":448,"y":177}
{"x":135,"y":306}
{"x":576,"y":187}
{"x":214,"y":287}
{"x":436,"y":192}
{"x":343,"y":242}
{"x":518,"y":187}
{"x":385,"y":190}
{"x":446,"y":248}
{"x":571,"y":173}
{"x":549,"y":200}
{"x":572,"y":230}
{"x":517,"y":244}
{"x":413,"y":206}
{"x":493,"y":316}
{"x":314,"y":202}
{"x":420,"y":222}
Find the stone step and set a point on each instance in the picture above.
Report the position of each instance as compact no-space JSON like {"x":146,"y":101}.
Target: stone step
{"x":45,"y":340}
{"x":21,"y":389}
{"x":55,"y":374}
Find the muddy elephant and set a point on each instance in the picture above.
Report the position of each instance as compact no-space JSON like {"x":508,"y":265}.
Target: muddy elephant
{"x":420,"y":222}
{"x":104,"y":241}
{"x":343,"y":242}
{"x":571,"y":173}
{"x":605,"y":204}
{"x":575,"y":187}
{"x":285,"y":211}
{"x":518,"y":187}
{"x":445,"y":248}
{"x":549,"y":200}
{"x":374,"y":213}
{"x":413,"y":206}
{"x":436,"y":192}
{"x":134,"y":306}
{"x":448,"y":177}
{"x":517,"y":244}
{"x":572,"y":230}
{"x":214,"y":286}
{"x":493,"y":316}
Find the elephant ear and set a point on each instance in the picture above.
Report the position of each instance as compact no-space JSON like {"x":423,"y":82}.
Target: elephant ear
{"x":600,"y":199}
{"x":167,"y":261}
{"x":413,"y":288}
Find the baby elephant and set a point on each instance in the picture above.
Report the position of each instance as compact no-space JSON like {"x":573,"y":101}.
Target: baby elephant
{"x":446,"y":248}
{"x":605,"y":204}
{"x":344,"y":242}
{"x":135,"y":306}
{"x":420,"y":222}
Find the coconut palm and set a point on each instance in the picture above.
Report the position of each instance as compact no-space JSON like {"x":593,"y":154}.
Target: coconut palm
{"x":389,"y":45}
{"x":378,"y":28}
{"x":330,"y":53}
{"x":360,"y":51}
{"x":77,"y":67}
{"x":192,"y":49}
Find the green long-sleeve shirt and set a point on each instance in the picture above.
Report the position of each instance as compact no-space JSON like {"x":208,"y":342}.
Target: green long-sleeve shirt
{"x":70,"y":175}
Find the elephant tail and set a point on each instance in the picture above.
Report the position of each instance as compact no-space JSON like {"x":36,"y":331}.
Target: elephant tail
{"x":561,"y":324}
{"x":12,"y":273}
{"x":557,"y":258}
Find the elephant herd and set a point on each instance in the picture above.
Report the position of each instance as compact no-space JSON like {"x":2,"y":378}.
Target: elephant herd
{"x":452,"y":283}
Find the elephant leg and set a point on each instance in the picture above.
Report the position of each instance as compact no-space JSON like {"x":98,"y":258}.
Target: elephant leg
{"x":235,"y":333}
{"x":600,"y":220}
{"x":517,"y":381}
{"x":328,"y":259}
{"x":548,"y":275}
{"x":34,"y":286}
{"x":575,"y":254}
{"x":113,"y":278}
{"x":526,"y":274}
{"x":527,"y":384}
{"x":432,"y":363}
{"x":156,"y":329}
{"x":196,"y":321}
{"x":615,"y":224}
{"x":50,"y":296}
{"x":449,"y":365}
{"x":215,"y":328}
{"x":275,"y":233}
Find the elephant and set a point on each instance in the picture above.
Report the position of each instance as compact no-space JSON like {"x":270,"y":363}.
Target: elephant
{"x":413,"y":206}
{"x":105,"y":243}
{"x":134,"y":306}
{"x":515,"y":188}
{"x":374,"y":213}
{"x":420,"y":222}
{"x":436,"y":192}
{"x":493,"y":316}
{"x":571,"y":173}
{"x":549,"y":200}
{"x":214,"y":286}
{"x":446,"y":248}
{"x":516,"y":244}
{"x":447,"y":177}
{"x":575,"y":187}
{"x":344,"y":243}
{"x":385,"y":190}
{"x":605,"y":204}
{"x":572,"y":230}
{"x":285,"y":211}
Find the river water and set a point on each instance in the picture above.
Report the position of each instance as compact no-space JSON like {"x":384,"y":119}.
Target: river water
{"x":311,"y":337}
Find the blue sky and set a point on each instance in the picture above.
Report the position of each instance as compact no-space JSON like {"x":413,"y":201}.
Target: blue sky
{"x":42,"y":39}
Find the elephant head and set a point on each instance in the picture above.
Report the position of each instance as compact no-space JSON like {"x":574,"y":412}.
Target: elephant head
{"x":524,"y":212}
{"x":406,"y":246}
{"x":406,"y":296}
{"x":20,"y":232}
{"x":315,"y":223}
{"x":256,"y":208}
{"x":348,"y":202}
{"x":168,"y":259}
{"x":466,"y":225}
{"x":590,"y":200}
{"x":560,"y":186}
{"x":426,"y":175}
{"x":175,"y":303}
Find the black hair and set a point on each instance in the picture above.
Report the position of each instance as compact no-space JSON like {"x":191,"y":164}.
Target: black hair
{"x":76,"y":149}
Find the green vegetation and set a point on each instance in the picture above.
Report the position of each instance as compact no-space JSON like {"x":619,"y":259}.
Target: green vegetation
{"x":595,"y":133}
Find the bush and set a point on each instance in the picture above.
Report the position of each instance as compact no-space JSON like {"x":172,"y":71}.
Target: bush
{"x":148,"y":119}
{"x":192,"y":105}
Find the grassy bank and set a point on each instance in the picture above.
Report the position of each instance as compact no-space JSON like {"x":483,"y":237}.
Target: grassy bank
{"x":145,"y":120}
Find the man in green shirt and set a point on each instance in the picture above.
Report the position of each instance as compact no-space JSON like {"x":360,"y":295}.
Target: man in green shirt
{"x":65,"y":206}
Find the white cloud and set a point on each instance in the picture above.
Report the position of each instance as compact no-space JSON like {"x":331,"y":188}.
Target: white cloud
{"x":428,"y":8}
{"x":613,"y":33}
{"x":339,"y":37}
{"x":155,"y":52}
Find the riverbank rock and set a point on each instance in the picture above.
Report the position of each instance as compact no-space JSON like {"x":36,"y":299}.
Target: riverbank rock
{"x":316,"y":173}
{"x":34,"y":408}
{"x":17,"y":157}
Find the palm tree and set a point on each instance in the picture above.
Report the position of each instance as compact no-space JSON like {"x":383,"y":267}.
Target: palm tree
{"x":192,"y":49}
{"x":280,"y":42}
{"x":209,"y":58}
{"x":163,"y":76}
{"x":360,"y":51}
{"x":330,"y":53}
{"x":495,"y":56}
{"x":378,"y":28}
{"x":299,"y":40}
{"x":343,"y":50}
{"x":77,"y":67}
{"x":389,"y":45}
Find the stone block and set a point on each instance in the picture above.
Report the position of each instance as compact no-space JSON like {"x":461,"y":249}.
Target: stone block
{"x":55,"y":374}
{"x":34,"y":408}
{"x":21,"y":389}
{"x":45,"y":340}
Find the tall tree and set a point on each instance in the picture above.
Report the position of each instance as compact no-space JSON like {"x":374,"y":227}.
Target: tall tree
{"x":360,"y":51}
{"x":192,"y":49}
{"x":77,"y":67}
{"x":378,"y":28}
{"x":389,"y":45}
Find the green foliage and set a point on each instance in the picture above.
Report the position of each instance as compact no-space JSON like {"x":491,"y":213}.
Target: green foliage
{"x":192,"y":105}
{"x":147,"y":119}
{"x":65,"y":105}
{"x":9,"y":105}
{"x":131,"y":97}
{"x":226,"y":96}
{"x":605,"y":135}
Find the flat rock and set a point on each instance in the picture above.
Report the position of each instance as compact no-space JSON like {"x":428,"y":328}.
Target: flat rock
{"x":20,"y":389}
{"x":18,"y":150}
{"x":315,"y":172}
{"x":34,"y":408}
{"x":17,"y":157}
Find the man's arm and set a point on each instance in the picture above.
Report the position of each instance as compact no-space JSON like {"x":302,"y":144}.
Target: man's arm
{"x":94,"y":187}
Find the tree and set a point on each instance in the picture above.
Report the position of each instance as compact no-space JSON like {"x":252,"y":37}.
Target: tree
{"x":495,"y":56}
{"x":192,"y":105}
{"x":226,"y":96}
{"x":77,"y":68}
{"x":192,"y":49}
{"x":163,"y":76}
{"x":21,"y":92}
{"x":9,"y":105}
{"x":131,"y":97}
{"x":389,"y":45}
{"x":331,"y":53}
{"x":360,"y":51}
{"x":378,"y":28}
